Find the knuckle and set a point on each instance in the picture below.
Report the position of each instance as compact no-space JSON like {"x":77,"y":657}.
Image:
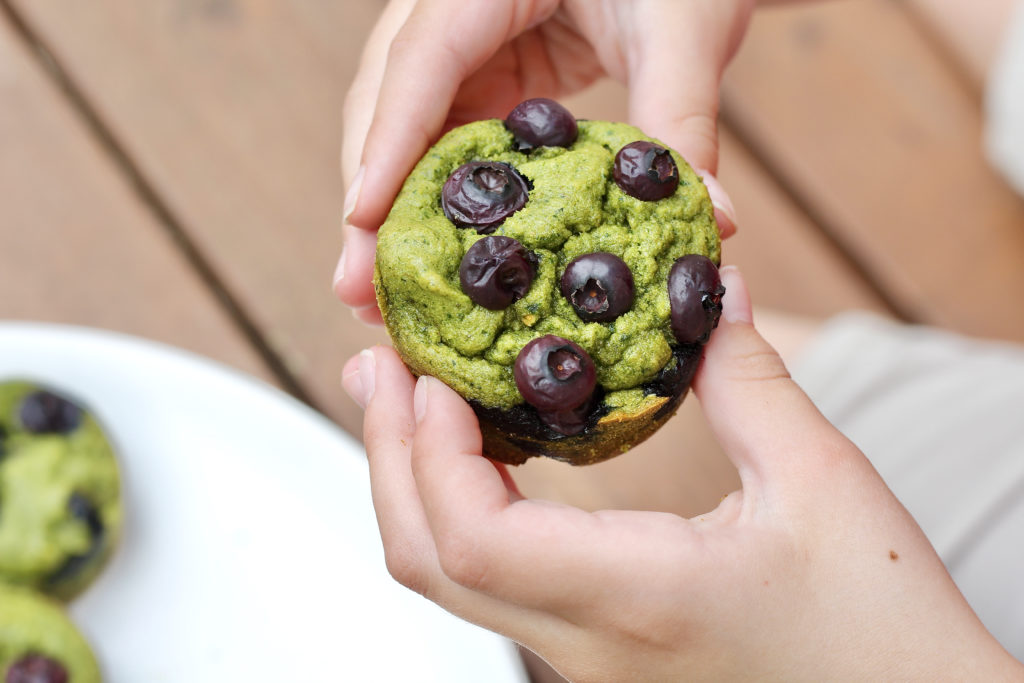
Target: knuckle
{"x":702,"y":125}
{"x":402,"y":48}
{"x":697,"y":137}
{"x":461,"y":560}
{"x":407,"y":567}
{"x":841,"y":460}
{"x":762,"y":365}
{"x":411,"y":48}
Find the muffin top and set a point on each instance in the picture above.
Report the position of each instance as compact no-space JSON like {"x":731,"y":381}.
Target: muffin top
{"x":59,"y":490}
{"x":572,"y":206}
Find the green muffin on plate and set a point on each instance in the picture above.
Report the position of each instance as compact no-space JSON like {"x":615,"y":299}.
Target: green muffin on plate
{"x":60,"y":504}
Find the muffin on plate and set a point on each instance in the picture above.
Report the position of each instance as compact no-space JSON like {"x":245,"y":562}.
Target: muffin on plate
{"x":60,"y":506}
{"x":39,"y":644}
{"x":561,"y":275}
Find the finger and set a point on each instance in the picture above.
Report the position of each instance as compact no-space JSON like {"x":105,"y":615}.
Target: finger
{"x":449,"y":433}
{"x":362,"y":94}
{"x":465,"y":499}
{"x":365,"y":102}
{"x":385,"y":387}
{"x":675,"y":71}
{"x":369,"y":315}
{"x":410,"y":551}
{"x":353,"y":277}
{"x":757,"y":412}
{"x":351,"y":382}
{"x":536,"y":554}
{"x":725,"y":214}
{"x":441,"y":43}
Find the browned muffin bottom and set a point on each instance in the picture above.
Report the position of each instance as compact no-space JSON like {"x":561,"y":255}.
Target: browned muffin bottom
{"x":513,"y":436}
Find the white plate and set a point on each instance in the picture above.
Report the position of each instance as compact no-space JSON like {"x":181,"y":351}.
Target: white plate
{"x":250,"y":549}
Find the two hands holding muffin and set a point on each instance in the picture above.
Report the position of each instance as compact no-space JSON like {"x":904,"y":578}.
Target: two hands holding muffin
{"x":812,"y":570}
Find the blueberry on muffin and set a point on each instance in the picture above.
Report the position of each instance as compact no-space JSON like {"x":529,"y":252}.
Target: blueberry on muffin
{"x":60,"y":507}
{"x":561,"y":275}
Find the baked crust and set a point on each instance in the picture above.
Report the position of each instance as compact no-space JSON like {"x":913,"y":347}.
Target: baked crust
{"x":513,"y":437}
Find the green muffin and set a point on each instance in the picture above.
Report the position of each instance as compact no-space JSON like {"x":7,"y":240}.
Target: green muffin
{"x":561,"y":275}
{"x":39,"y":643}
{"x":60,"y":507}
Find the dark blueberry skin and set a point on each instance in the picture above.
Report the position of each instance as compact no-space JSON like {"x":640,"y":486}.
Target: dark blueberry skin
{"x":523,"y":420}
{"x":598,"y":286}
{"x":541,"y":122}
{"x":695,"y":296}
{"x":554,"y":374}
{"x":646,"y":171}
{"x":497,"y":271}
{"x":36,"y":668}
{"x":569,"y":422}
{"x":45,"y":413}
{"x":482,"y":194}
{"x":675,"y":378}
{"x":82,"y":509}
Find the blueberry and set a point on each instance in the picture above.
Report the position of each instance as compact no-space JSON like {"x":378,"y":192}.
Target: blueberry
{"x":646,"y":171}
{"x":569,"y":422}
{"x":598,"y":286}
{"x":36,"y":668}
{"x":482,"y":194}
{"x":497,"y":271}
{"x":541,"y":122}
{"x":43,"y":412}
{"x":674,"y":379}
{"x":554,"y":374}
{"x":84,"y":510}
{"x":695,"y":298}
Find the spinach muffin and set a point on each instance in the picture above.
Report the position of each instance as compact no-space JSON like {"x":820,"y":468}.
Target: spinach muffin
{"x":39,"y":644}
{"x":561,"y":275}
{"x":60,"y":507}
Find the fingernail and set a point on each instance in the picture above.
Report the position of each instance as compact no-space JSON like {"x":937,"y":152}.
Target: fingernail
{"x":367,"y":372}
{"x":369,"y":315}
{"x":352,"y":196}
{"x":725,"y":212}
{"x":351,"y":384}
{"x":419,"y":398}
{"x":736,"y":306}
{"x":339,"y":270}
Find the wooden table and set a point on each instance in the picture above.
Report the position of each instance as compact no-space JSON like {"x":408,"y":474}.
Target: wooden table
{"x":169,"y":169}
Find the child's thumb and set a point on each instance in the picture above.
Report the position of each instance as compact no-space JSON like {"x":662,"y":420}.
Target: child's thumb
{"x":758,"y":413}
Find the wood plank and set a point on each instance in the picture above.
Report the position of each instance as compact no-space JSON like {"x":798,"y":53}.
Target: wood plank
{"x":76,"y":244}
{"x":880,"y":142}
{"x":231,"y":110}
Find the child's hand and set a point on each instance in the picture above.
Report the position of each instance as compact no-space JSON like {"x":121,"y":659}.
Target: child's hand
{"x":434,"y":64}
{"x":813,"y":571}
